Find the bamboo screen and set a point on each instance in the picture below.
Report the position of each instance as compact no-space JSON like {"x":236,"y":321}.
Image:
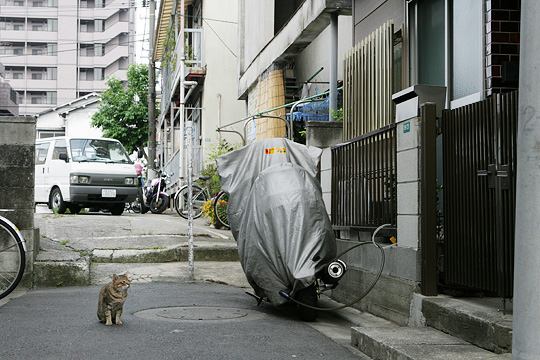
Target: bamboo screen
{"x":367,"y":86}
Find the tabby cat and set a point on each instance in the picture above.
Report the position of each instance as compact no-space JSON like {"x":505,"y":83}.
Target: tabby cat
{"x":111,"y":300}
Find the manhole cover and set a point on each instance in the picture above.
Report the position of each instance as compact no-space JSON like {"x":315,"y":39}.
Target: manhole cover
{"x":198,"y":313}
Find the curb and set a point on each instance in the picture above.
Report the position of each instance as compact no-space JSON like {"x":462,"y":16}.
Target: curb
{"x":70,"y":269}
{"x":170,"y":254}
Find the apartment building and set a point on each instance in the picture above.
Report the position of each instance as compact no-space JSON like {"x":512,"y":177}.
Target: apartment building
{"x":55,"y":51}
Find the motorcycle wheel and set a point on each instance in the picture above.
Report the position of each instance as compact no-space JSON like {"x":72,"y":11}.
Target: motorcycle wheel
{"x":159,"y":204}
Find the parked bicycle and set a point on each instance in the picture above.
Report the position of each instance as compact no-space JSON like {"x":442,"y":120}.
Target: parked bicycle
{"x":12,"y":256}
{"x":200,"y":195}
{"x":220,"y":205}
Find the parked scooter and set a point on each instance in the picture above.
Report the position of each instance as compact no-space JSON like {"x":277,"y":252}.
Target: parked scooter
{"x":155,"y":198}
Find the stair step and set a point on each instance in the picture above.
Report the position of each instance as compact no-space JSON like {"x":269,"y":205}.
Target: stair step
{"x":476,"y":321}
{"x":222,"y":272}
{"x":225,"y":252}
{"x":405,"y":343}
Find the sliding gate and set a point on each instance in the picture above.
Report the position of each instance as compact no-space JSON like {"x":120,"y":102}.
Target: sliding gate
{"x":479,"y":157}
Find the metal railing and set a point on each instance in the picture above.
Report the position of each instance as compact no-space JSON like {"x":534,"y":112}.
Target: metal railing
{"x":364,"y":191}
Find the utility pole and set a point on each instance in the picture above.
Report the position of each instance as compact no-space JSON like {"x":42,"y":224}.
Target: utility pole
{"x":526,"y":324}
{"x":152,"y":94}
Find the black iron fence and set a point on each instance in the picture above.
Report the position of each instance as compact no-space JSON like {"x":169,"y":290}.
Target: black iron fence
{"x":364,"y":193}
{"x":479,"y":158}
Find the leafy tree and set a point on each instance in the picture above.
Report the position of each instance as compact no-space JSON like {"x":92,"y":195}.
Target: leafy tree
{"x":123,"y":110}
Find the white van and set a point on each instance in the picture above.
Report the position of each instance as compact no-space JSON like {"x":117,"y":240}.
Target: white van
{"x":75,"y":173}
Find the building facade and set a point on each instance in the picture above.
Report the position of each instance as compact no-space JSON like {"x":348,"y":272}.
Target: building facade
{"x":285,"y":55}
{"x":8,"y":97}
{"x":55,"y":51}
{"x":71,"y":119}
{"x":196,"y":48}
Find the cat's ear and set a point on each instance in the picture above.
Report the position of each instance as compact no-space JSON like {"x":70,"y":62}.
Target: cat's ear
{"x":114,"y":277}
{"x":128,"y":275}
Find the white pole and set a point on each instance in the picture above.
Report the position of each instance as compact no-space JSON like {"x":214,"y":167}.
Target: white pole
{"x":189,"y":138}
{"x":526,"y":320}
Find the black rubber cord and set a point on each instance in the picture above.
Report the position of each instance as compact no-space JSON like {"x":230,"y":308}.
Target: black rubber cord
{"x":357,"y":299}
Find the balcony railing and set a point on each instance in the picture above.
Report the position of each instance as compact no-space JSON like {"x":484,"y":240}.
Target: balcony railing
{"x":193,"y":47}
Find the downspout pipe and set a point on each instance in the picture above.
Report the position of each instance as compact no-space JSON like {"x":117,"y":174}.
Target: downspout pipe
{"x":333,"y":62}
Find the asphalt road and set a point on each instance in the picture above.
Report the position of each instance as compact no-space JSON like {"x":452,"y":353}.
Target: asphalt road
{"x":62,"y":324}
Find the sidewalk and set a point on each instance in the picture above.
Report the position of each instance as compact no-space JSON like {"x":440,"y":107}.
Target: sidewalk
{"x":86,"y":249}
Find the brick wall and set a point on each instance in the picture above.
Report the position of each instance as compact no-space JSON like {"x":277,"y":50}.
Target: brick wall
{"x":17,"y":138}
{"x":502,"y":45}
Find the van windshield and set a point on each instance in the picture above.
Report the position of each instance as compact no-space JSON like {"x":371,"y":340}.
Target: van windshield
{"x":98,"y":150}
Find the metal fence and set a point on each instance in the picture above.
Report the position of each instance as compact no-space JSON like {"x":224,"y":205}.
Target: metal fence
{"x":479,"y":158}
{"x":364,"y":193}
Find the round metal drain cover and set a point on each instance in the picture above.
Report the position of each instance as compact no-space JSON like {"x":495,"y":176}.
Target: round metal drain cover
{"x":198,"y":313}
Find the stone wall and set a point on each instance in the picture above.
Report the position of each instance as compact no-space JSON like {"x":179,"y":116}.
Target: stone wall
{"x":17,"y":145}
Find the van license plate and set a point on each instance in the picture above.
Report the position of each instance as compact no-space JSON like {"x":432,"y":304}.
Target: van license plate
{"x":108,"y":193}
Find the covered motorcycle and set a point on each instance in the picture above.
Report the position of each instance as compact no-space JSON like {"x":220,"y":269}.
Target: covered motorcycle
{"x":277,"y":216}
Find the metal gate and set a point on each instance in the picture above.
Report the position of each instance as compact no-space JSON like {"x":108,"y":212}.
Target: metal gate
{"x":479,"y":158}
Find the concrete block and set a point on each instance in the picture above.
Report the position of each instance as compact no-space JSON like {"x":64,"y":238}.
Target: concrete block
{"x":327,"y":198}
{"x":16,"y":199}
{"x":326,"y":180}
{"x":22,"y":218}
{"x":17,"y":130}
{"x":323,"y":133}
{"x":408,"y":198}
{"x":416,"y":318}
{"x":408,"y":166}
{"x":414,"y":344}
{"x":326,"y":159}
{"x":62,"y":273}
{"x":16,"y":177}
{"x":408,"y":231}
{"x":470,"y":320}
{"x":17,"y":156}
{"x":389,"y":299}
{"x":408,"y":134}
{"x":402,"y":263}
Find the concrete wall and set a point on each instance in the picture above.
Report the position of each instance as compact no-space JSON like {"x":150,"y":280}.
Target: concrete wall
{"x":317,"y":55}
{"x":256,"y":28}
{"x":219,"y":100}
{"x":17,"y":139}
{"x":368,"y":15}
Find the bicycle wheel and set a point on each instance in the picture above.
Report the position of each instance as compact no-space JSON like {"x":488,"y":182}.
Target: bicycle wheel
{"x":220,"y":208}
{"x":12,"y":257}
{"x":181,"y":204}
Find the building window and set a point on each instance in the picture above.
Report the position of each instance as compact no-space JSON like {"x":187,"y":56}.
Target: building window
{"x":99,"y":74}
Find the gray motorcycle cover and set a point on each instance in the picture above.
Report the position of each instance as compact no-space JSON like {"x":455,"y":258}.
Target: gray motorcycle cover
{"x":277,"y":215}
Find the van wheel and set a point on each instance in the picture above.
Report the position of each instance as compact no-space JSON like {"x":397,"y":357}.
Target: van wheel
{"x":117,"y":209}
{"x":57,"y":203}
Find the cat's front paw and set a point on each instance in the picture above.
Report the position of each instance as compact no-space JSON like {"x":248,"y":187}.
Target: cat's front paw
{"x":108,"y":323}
{"x":119,"y":322}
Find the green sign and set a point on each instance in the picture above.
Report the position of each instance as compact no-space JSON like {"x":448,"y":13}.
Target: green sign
{"x":407,"y":127}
